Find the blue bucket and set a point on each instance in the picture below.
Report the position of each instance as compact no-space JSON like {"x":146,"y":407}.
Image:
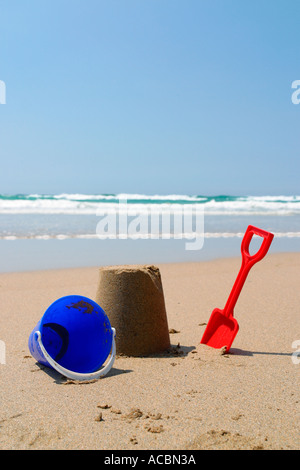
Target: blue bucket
{"x":74,"y":337}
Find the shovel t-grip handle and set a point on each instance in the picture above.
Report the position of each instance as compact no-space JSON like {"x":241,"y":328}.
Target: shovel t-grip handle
{"x":247,"y":262}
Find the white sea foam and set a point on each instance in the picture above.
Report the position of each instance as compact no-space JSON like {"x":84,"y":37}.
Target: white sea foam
{"x":83,"y":204}
{"x":142,"y":236}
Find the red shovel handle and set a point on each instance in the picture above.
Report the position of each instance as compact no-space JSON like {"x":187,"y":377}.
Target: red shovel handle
{"x":267,"y":240}
{"x":247,"y":262}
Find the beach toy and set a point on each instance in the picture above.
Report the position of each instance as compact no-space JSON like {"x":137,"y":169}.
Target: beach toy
{"x":133,"y":298}
{"x":222,"y":326}
{"x":75,"y":338}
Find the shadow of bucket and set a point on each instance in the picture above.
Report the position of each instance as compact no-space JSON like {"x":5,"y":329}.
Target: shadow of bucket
{"x":75,"y":338}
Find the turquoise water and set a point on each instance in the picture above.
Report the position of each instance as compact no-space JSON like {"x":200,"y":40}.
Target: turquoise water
{"x":56,"y":231}
{"x":77,"y":215}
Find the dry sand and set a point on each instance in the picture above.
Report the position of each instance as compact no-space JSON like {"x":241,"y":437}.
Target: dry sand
{"x":190,"y":398}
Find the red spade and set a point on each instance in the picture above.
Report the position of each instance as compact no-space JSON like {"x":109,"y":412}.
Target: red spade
{"x":222,"y":327}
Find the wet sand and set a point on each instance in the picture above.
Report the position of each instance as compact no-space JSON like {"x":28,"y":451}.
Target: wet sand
{"x":189,"y":397}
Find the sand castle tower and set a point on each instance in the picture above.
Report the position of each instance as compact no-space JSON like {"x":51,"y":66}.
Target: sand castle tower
{"x":133,"y":299}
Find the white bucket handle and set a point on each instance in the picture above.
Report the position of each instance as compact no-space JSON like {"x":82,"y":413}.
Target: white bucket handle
{"x":77,"y":375}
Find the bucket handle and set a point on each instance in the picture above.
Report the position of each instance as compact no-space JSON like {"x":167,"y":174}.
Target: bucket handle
{"x":77,"y":375}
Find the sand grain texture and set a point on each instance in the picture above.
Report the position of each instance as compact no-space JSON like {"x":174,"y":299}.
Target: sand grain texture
{"x":133,"y":298}
{"x":190,"y":397}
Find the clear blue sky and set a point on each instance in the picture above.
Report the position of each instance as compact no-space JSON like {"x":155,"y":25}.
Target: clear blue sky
{"x":150,"y":96}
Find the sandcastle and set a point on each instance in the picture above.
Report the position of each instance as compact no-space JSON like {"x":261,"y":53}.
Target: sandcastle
{"x":133,"y":299}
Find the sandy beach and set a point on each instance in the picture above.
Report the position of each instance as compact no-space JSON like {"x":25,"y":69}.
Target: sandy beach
{"x":190,"y":397}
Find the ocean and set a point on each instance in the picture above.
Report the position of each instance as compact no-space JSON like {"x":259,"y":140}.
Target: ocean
{"x":74,"y":230}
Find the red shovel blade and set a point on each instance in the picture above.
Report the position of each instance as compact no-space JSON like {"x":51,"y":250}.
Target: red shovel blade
{"x":220,"y":330}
